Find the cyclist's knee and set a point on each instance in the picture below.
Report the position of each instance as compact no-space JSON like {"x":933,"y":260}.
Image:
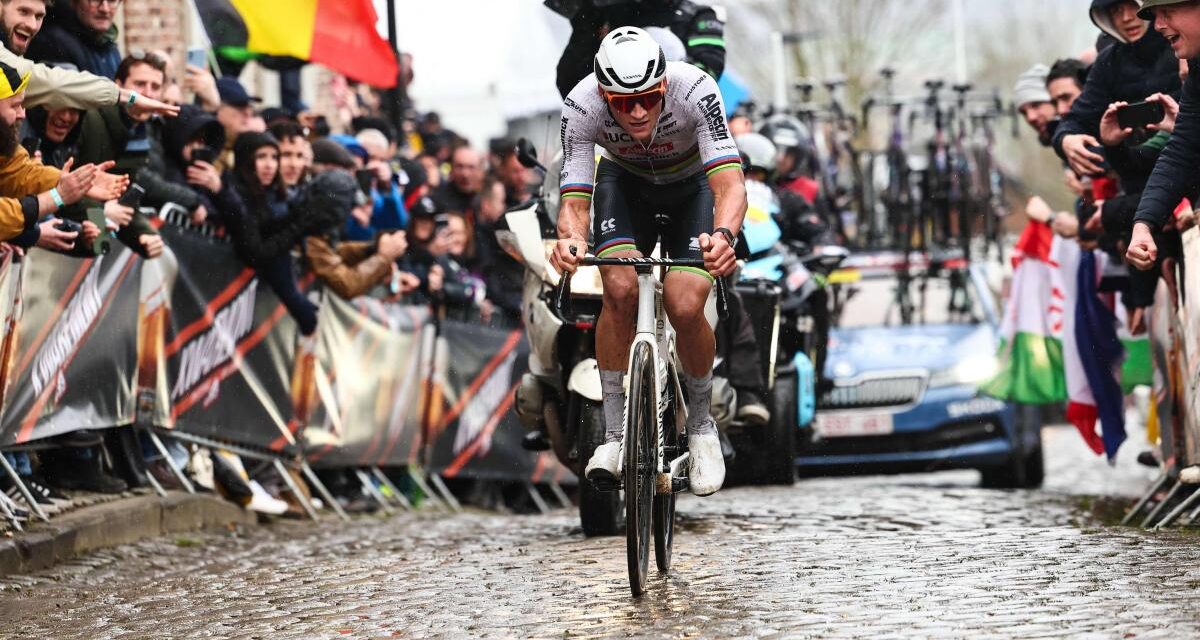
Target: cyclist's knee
{"x":620,"y":291}
{"x":684,"y":298}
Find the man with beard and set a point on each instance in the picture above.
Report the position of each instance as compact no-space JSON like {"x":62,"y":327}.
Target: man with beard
{"x":1033,"y":101}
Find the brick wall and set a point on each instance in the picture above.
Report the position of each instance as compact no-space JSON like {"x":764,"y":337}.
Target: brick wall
{"x":156,"y":24}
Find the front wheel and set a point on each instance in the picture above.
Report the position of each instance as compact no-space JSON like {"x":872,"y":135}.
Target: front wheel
{"x":599,"y":511}
{"x":641,"y":440}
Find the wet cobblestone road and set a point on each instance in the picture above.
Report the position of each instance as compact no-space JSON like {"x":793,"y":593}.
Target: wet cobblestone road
{"x":911,"y":556}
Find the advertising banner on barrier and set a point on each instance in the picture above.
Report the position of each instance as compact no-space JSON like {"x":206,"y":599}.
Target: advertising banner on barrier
{"x":228,"y":349}
{"x":366,"y":383}
{"x":75,"y":351}
{"x":473,"y":431}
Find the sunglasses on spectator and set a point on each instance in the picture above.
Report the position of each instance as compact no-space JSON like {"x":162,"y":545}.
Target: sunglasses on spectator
{"x":627,"y":102}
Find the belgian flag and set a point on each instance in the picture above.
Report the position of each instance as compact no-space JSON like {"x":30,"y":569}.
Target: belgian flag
{"x":339,"y":34}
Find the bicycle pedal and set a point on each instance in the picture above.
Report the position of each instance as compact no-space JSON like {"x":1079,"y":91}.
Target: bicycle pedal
{"x":604,"y":481}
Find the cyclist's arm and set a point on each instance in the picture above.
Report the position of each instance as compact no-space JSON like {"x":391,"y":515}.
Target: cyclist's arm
{"x":729,"y":197}
{"x":573,"y":217}
{"x":579,"y":166}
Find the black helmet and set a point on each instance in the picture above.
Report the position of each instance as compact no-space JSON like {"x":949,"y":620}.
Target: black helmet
{"x":786,"y":132}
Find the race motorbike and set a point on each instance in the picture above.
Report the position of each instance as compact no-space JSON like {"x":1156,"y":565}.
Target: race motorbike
{"x":559,"y":398}
{"x":783,"y":284}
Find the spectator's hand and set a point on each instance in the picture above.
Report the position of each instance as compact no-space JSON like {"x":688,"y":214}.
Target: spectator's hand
{"x":719,"y":259}
{"x":52,"y":239}
{"x":203,"y":174}
{"x":1094,"y":224}
{"x":90,"y":231}
{"x":202,"y":83}
{"x":73,"y":184}
{"x":392,"y":245}
{"x":107,"y":186}
{"x":1142,"y":252}
{"x":144,"y":105}
{"x":563,"y":260}
{"x":199,"y":215}
{"x":1185,"y":221}
{"x":437,"y":278}
{"x":1082,"y":160}
{"x":1111,"y":131}
{"x":37,"y":156}
{"x":1037,"y":209}
{"x":486,"y":310}
{"x":152,"y":243}
{"x":1137,"y":321}
{"x":408,"y":282}
{"x":118,"y":213}
{"x":1170,"y":107}
{"x":383,"y":171}
{"x":362,"y":214}
{"x":1065,"y":225}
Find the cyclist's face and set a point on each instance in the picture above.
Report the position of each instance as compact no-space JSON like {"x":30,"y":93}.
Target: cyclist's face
{"x":639,"y":121}
{"x":1063,"y":92}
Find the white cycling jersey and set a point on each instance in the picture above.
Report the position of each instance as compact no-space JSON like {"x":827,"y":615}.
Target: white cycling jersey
{"x":692,"y":134}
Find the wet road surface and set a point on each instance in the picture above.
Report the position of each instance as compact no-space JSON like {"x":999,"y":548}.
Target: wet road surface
{"x":904,"y":556}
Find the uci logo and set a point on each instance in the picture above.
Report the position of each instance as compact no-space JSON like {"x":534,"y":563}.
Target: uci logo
{"x":608,"y":226}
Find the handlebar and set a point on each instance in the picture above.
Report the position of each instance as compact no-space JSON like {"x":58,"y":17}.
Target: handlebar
{"x":562,"y":296}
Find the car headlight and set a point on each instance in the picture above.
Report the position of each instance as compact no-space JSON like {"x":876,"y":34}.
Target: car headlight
{"x":975,"y":370}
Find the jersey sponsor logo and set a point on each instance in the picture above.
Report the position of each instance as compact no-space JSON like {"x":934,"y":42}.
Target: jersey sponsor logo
{"x":692,"y":90}
{"x":562,"y":132}
{"x":610,"y":123}
{"x":694,"y":243}
{"x":608,"y":226}
{"x":710,"y":105}
{"x":619,"y":136}
{"x":571,"y":104}
{"x":656,"y":149}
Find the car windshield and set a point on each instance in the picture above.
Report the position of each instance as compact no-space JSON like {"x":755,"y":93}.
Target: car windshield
{"x":946,"y":298}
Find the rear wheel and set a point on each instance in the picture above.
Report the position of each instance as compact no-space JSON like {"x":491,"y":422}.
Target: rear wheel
{"x":599,"y":511}
{"x":664,"y":505}
{"x":640,"y":441}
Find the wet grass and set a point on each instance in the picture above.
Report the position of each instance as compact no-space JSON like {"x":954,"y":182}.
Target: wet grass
{"x":1100,"y":511}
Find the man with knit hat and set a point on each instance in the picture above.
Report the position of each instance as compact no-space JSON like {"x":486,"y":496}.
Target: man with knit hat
{"x":1033,"y":101}
{"x":29,"y":190}
{"x":1177,"y":173}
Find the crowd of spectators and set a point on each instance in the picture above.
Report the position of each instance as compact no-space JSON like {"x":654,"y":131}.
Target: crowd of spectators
{"x":1134,"y":177}
{"x":405,"y":213}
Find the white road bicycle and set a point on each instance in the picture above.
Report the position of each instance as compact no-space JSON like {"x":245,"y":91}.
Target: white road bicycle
{"x":654,"y":455}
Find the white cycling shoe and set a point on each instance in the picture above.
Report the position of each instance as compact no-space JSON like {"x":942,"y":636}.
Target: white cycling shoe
{"x":604,"y":469}
{"x":706,"y":465}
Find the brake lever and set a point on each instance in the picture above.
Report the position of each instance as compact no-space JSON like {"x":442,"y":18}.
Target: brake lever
{"x":562,"y":299}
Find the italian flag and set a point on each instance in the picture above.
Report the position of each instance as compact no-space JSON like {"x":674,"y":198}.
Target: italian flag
{"x":1031,"y":351}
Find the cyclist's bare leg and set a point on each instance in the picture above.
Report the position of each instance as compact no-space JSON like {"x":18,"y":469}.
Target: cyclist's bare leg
{"x":685,"y":294}
{"x":614,"y":335}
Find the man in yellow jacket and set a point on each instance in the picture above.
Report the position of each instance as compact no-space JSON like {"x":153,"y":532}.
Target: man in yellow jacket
{"x":28,"y":189}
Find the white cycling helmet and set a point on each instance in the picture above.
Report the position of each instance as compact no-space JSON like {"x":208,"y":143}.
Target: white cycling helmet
{"x":759,"y":151}
{"x":629,"y":61}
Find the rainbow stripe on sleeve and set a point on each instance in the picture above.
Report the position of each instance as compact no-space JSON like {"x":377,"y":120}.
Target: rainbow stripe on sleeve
{"x":576,"y":190}
{"x":721,"y":164}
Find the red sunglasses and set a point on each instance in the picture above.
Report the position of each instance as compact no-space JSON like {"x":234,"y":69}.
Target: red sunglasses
{"x":626,"y":102}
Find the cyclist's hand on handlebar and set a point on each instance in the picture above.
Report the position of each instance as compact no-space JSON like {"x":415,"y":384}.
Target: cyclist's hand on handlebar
{"x":719,"y":259}
{"x":563,"y":259}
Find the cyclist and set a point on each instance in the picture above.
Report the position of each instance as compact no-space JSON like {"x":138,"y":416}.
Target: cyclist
{"x":667,"y":152}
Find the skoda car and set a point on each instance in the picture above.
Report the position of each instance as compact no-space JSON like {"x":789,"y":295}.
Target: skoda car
{"x":906,"y":358}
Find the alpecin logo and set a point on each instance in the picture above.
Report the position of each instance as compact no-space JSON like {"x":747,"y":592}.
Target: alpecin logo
{"x":216,"y":346}
{"x":68,"y":332}
{"x":711,"y":106}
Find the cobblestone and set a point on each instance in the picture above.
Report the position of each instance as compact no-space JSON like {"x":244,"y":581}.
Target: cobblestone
{"x":928,"y":556}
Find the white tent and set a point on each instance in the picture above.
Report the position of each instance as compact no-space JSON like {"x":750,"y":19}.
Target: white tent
{"x":480,"y":63}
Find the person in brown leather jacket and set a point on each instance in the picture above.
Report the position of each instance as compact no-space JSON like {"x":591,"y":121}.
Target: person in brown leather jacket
{"x":350,"y":269}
